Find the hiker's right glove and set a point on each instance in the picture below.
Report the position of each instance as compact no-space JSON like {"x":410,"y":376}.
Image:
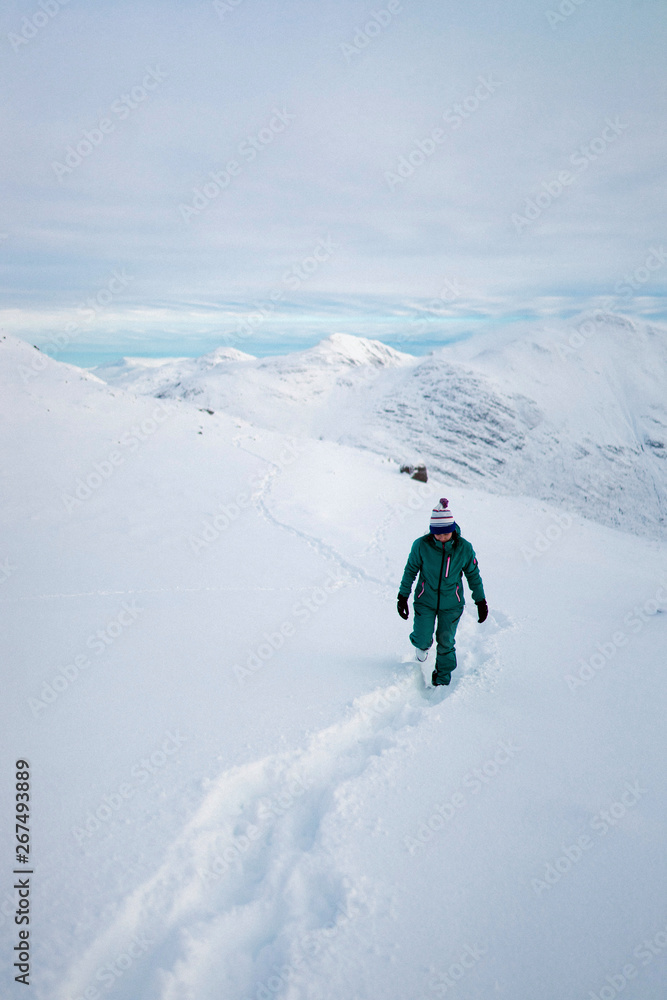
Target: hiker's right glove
{"x":403,"y":609}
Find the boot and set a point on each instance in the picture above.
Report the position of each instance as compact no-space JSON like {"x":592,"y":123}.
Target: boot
{"x":442,"y":679}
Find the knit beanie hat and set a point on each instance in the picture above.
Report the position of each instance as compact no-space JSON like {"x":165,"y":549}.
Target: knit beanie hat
{"x":442,"y":519}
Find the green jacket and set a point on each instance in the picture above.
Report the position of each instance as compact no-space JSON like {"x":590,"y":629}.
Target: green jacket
{"x":440,"y":566}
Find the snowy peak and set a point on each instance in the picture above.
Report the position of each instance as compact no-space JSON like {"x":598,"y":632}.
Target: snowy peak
{"x":210,"y":374}
{"x":223,"y":355}
{"x":130,"y":368}
{"x":344,"y":348}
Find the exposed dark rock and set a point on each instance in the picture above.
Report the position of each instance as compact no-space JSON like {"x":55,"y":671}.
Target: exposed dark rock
{"x":416,"y":472}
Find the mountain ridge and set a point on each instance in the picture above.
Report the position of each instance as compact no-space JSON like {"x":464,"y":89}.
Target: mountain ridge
{"x":569,"y":413}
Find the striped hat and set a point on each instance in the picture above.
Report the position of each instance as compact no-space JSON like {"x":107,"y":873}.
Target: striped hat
{"x":442,"y":519}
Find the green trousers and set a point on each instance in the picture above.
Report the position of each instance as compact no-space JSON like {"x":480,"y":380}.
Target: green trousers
{"x":445,"y":632}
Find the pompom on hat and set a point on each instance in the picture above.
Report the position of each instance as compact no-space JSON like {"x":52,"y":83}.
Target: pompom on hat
{"x":442,"y":519}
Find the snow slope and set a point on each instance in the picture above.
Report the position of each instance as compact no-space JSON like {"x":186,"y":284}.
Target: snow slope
{"x":573,"y":414}
{"x":248,"y":791}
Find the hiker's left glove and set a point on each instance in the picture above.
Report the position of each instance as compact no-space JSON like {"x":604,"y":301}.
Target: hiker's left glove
{"x":402,"y":605}
{"x":482,"y":611}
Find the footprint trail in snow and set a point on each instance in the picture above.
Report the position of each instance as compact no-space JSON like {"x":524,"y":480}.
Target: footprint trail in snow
{"x":250,"y":886}
{"x":250,"y":894}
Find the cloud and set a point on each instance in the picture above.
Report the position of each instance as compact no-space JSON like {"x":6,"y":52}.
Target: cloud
{"x":223,"y":73}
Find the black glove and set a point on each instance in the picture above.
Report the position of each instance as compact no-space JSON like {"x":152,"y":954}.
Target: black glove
{"x":482,"y":611}
{"x":403,"y":609}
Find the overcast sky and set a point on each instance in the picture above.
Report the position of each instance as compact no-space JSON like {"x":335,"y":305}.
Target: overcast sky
{"x":419,"y":161}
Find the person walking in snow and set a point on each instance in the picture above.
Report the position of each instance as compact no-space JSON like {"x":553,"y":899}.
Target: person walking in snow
{"x":440,"y":558}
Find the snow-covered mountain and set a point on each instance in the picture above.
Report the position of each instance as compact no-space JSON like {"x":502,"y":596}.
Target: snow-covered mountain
{"x":241,"y":785}
{"x":305,"y":392}
{"x":571,"y":414}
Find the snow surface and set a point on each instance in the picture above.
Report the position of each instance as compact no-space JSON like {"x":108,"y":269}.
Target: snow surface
{"x":569,"y":413}
{"x":325,"y":825}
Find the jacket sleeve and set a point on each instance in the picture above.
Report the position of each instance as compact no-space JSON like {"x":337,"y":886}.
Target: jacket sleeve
{"x":473,"y":576}
{"x":412,"y":567}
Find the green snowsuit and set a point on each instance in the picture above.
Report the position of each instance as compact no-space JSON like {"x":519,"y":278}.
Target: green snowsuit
{"x":439,"y":592}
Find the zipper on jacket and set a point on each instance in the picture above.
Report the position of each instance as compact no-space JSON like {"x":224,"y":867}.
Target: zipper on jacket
{"x":457,"y":594}
{"x":447,"y":570}
{"x":442,"y":563}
